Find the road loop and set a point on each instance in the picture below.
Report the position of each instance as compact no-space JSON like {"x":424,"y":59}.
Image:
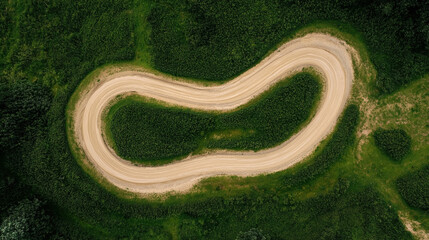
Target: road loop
{"x":328,"y":55}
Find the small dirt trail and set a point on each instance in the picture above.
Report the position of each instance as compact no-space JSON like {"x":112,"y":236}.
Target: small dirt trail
{"x":328,"y":55}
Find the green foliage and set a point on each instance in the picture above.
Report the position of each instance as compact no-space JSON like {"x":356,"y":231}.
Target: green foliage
{"x":113,"y":31}
{"x":54,"y":41}
{"x":217,"y":40}
{"x":211,"y":39}
{"x":190,"y":229}
{"x":252,"y":234}
{"x":5,"y":28}
{"x":21,"y":105}
{"x":145,"y":132}
{"x":395,"y":143}
{"x":341,"y":140}
{"x":347,"y":211}
{"x":26,"y":221}
{"x":414,"y":188}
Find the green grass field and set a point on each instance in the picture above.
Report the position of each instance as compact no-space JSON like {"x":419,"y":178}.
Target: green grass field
{"x":355,"y":193}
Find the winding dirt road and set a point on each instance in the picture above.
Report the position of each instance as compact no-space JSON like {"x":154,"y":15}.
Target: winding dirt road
{"x":329,"y":55}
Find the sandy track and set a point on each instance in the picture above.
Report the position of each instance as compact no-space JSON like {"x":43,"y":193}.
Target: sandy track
{"x":327,"y":54}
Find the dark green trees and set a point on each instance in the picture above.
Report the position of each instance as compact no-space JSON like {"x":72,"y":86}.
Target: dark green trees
{"x":394,"y":143}
{"x":26,"y":221}
{"x":414,"y":188}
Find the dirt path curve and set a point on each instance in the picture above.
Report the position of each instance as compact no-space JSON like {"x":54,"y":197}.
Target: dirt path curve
{"x":329,"y":55}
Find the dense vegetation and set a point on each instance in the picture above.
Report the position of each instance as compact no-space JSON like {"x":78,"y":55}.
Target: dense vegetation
{"x":220,"y":39}
{"x":395,"y":143}
{"x":49,"y":44}
{"x":341,"y":213}
{"x":56,"y":43}
{"x":26,"y":221}
{"x":145,"y":132}
{"x":22,"y":105}
{"x":414,"y":188}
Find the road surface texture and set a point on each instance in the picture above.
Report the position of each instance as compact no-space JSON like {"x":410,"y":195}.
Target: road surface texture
{"x":328,"y":55}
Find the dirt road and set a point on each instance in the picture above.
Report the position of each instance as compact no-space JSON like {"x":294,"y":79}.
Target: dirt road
{"x":330,"y":56}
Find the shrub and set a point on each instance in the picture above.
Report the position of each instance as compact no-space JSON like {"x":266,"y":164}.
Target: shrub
{"x":414,"y":188}
{"x":394,"y":143}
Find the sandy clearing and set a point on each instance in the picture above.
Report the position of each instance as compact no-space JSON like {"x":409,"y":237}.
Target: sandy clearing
{"x":329,"y":55}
